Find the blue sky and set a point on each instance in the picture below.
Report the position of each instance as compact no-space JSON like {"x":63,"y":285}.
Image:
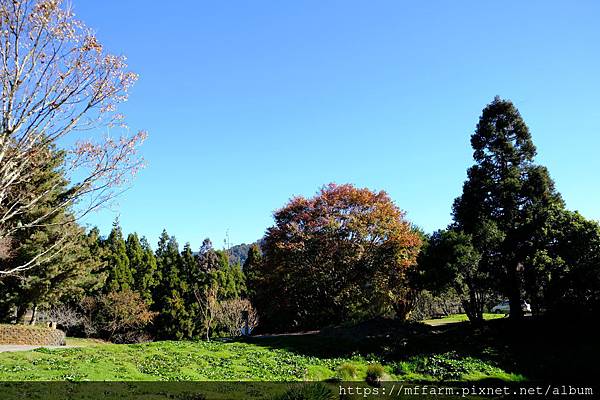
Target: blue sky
{"x":248,"y":103}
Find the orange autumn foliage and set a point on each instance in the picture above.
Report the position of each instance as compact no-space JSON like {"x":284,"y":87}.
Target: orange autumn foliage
{"x":341,"y":255}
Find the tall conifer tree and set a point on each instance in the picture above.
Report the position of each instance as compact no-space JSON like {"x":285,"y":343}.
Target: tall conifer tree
{"x":506,"y":197}
{"x":120,"y":276}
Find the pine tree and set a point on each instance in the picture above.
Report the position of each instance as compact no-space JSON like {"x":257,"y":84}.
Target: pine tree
{"x":95,"y":282}
{"x":230,"y":277}
{"x":133,"y":249}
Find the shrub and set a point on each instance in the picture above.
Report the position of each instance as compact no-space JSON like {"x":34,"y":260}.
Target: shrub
{"x":347,"y":371}
{"x":400,"y":369}
{"x":375,"y":373}
{"x":117,"y":315}
{"x":135,"y":336}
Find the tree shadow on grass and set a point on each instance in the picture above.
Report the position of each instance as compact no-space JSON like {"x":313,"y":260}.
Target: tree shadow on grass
{"x":539,"y":349}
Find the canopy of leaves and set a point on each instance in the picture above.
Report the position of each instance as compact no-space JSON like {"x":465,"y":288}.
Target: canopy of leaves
{"x":337,"y":256}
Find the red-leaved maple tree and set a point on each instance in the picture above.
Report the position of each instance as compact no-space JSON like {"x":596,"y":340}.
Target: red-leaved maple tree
{"x":341,"y":255}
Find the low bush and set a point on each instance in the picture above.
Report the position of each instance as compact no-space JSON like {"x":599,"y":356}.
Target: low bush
{"x":117,"y":316}
{"x":375,"y":373}
{"x":347,"y":371}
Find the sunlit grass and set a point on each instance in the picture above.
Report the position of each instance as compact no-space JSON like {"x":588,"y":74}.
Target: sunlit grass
{"x":458,"y":318}
{"x":214,"y":361}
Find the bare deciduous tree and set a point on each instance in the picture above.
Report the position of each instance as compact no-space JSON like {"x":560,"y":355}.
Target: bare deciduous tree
{"x":59,"y":87}
{"x":230,"y":316}
{"x":65,"y":316}
{"x":209,"y":305}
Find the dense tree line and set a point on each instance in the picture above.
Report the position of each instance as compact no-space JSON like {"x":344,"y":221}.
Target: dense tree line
{"x":346,"y":254}
{"x":100,"y":281}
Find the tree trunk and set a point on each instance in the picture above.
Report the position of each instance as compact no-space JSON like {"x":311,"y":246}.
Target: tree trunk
{"x":514,"y":299}
{"x":33,"y":315}
{"x":20,"y":317}
{"x":472,"y":311}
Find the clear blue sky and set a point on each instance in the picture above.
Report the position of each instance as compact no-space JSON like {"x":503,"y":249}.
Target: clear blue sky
{"x":248,"y":103}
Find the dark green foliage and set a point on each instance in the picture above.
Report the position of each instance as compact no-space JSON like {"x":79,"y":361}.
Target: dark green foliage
{"x":135,"y":254}
{"x":505,"y":197}
{"x":562,"y":272}
{"x":214,"y":267}
{"x":58,"y":252}
{"x":96,"y":281}
{"x":174,"y":319}
{"x":252,"y":269}
{"x":194,"y":279}
{"x":120,"y":275}
{"x":182,"y":278}
{"x":229,"y":277}
{"x":143,"y":265}
{"x":450,"y":261}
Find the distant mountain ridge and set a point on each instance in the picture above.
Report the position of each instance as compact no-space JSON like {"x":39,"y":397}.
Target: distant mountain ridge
{"x":239,"y":252}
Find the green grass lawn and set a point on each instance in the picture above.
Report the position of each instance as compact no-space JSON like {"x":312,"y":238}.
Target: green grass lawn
{"x":190,"y":360}
{"x":83,"y":342}
{"x":545,"y":350}
{"x":459,"y":318}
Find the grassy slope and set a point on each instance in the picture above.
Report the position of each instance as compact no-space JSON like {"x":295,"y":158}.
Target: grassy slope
{"x":189,"y":360}
{"x":498,"y":349}
{"x":167,"y":360}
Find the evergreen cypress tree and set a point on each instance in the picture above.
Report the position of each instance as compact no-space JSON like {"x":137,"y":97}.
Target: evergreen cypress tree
{"x":195,"y":280}
{"x":174,"y":320}
{"x":251,"y":268}
{"x":146,"y":277}
{"x":142,"y":264}
{"x":120,"y":276}
{"x":135,"y":253}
